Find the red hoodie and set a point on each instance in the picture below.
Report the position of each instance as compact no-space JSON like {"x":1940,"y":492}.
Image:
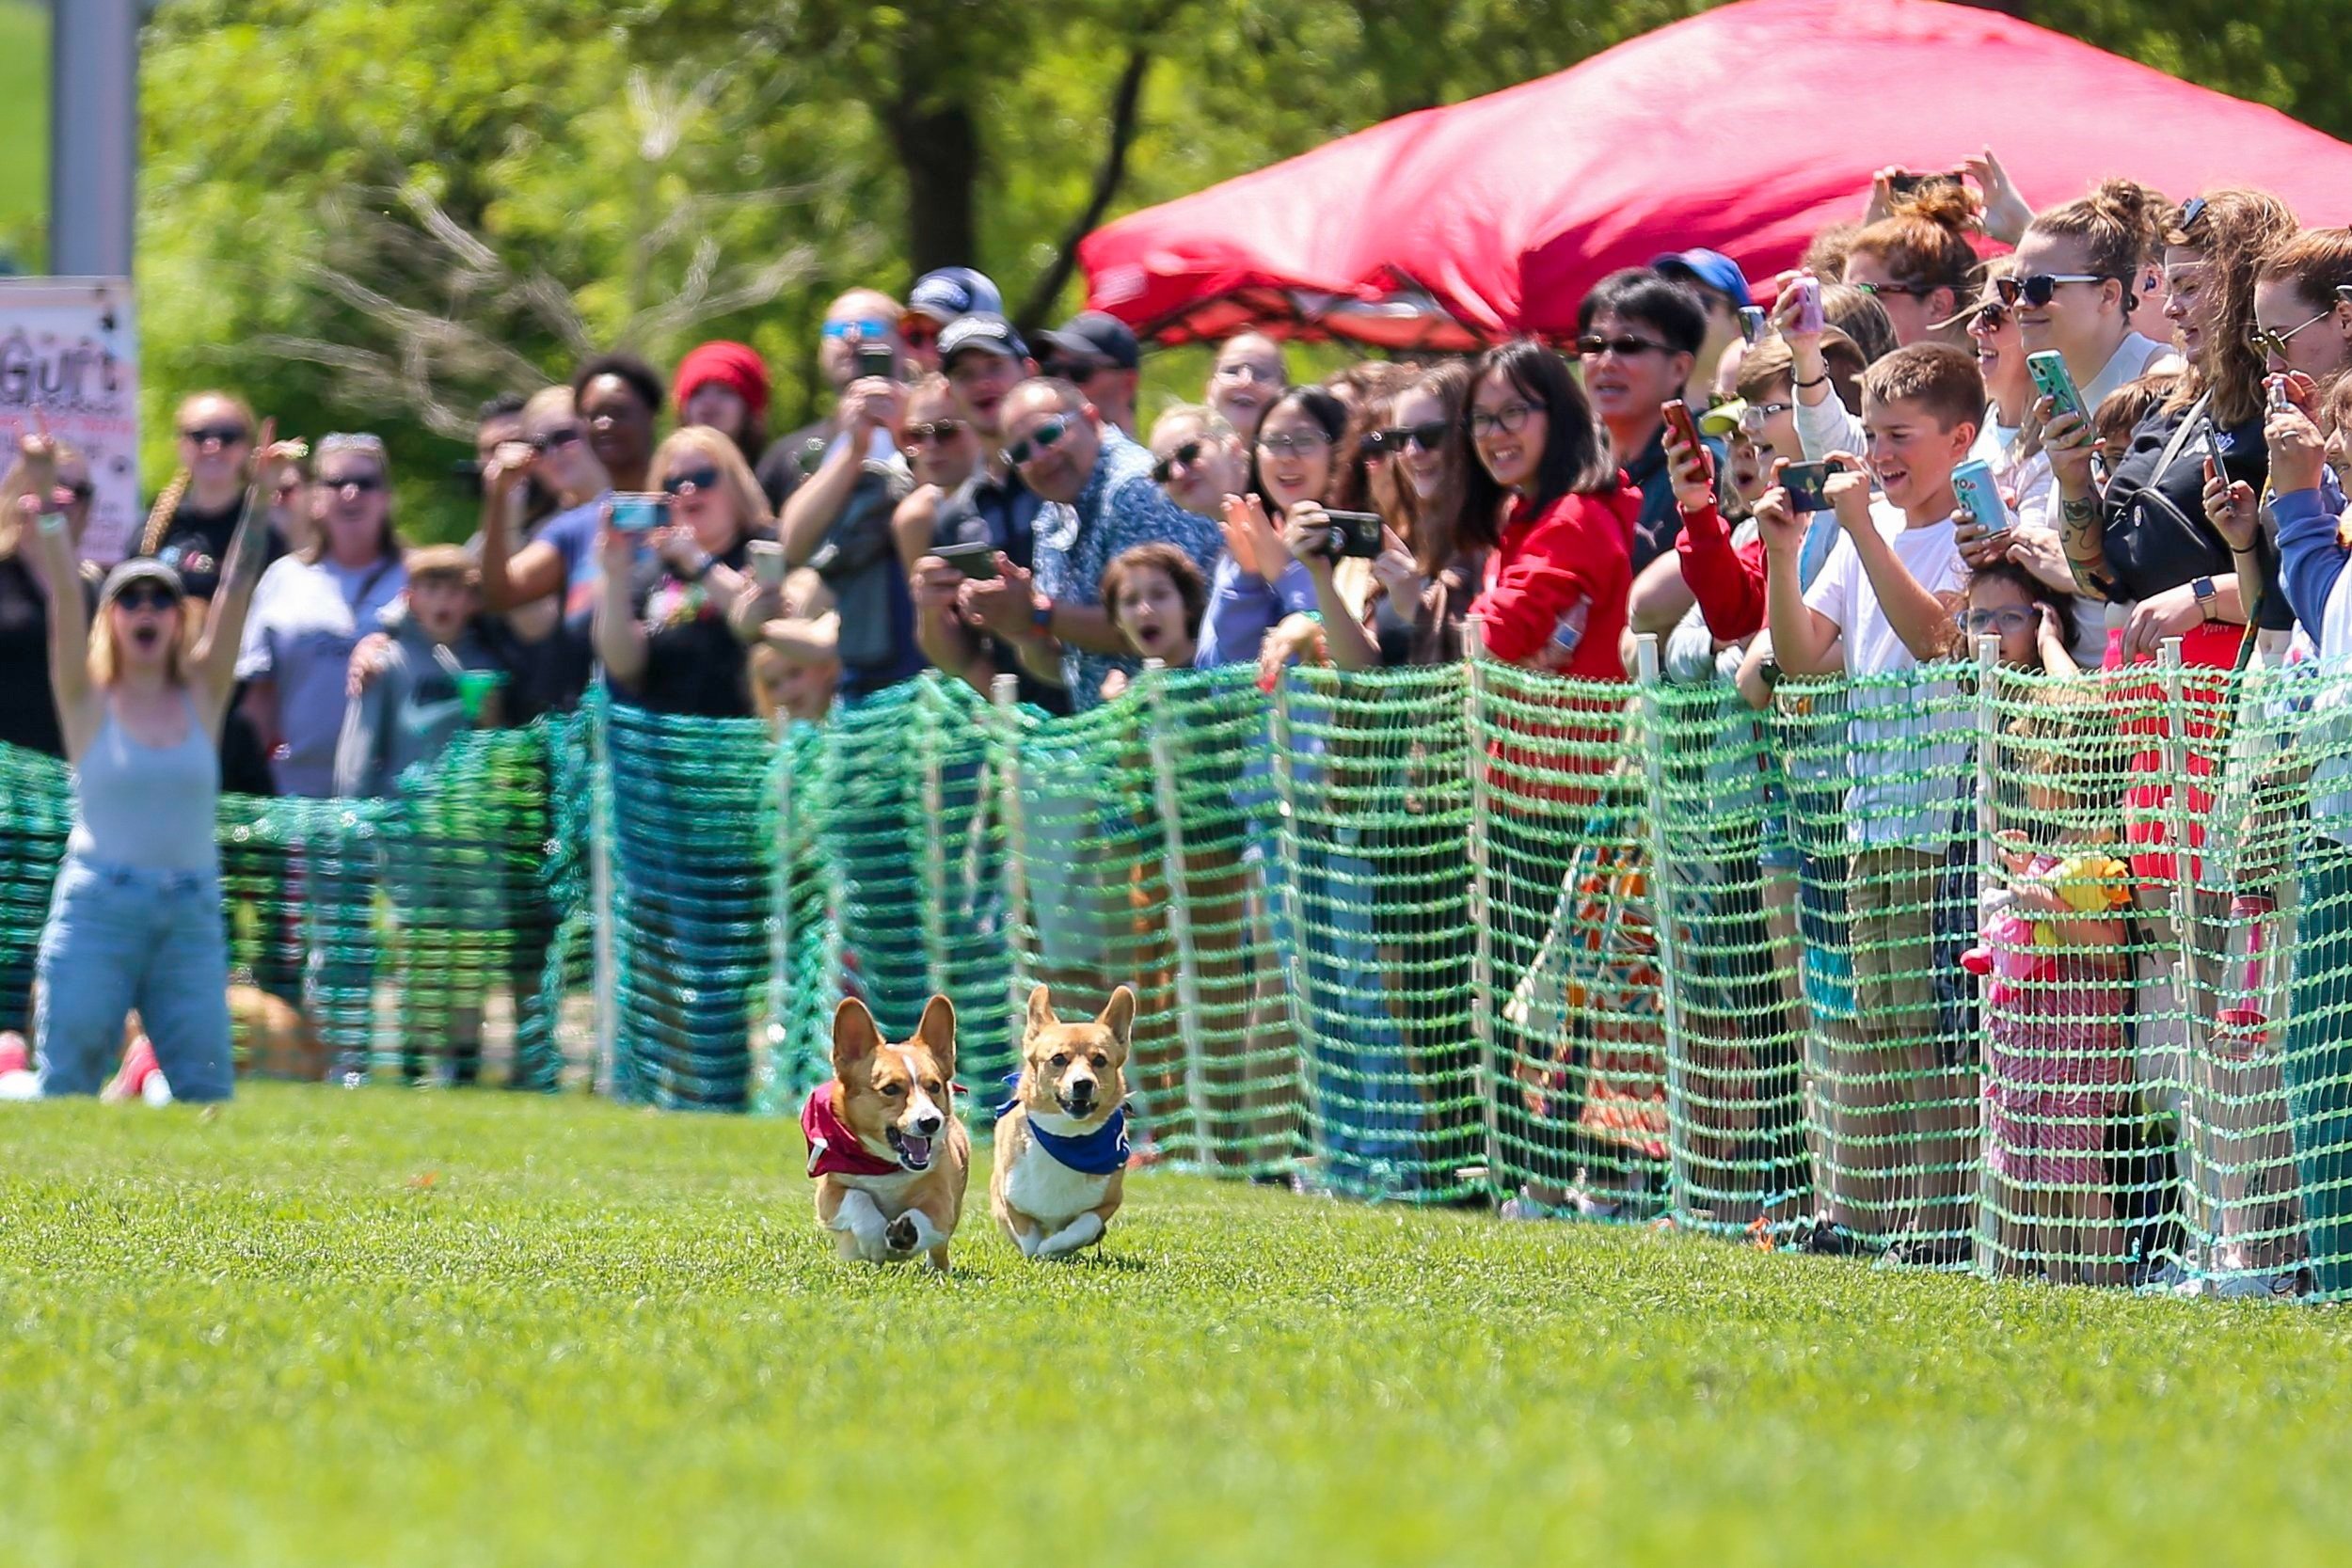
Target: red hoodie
{"x":1726,"y":578}
{"x":1558,"y":585}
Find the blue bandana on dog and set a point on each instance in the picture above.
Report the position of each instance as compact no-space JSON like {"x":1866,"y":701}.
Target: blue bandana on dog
{"x":1096,"y":1153}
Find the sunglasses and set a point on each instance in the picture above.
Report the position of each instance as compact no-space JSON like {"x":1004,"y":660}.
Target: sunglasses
{"x":285,"y":487}
{"x":1183,"y":457}
{"x":2191,"y":209}
{"x":1510,"y":418}
{"x":364,"y":483}
{"x":554,"y":438}
{"x":1078,"y":371}
{"x":147,"y":595}
{"x":1988,"y":317}
{"x":1428,"y":437}
{"x":858,"y":329}
{"x":692,"y":478}
{"x":2008,"y":618}
{"x":1593,"y":344}
{"x":1909,"y":290}
{"x":1305,"y":440}
{"x":2274,"y":343}
{"x":227,"y":434}
{"x":919,"y":332}
{"x":1244,"y":371}
{"x":2038,"y":290}
{"x":925,"y":431}
{"x":1037,"y":442}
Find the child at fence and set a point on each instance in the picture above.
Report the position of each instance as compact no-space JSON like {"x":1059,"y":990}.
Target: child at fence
{"x":2055,"y":949}
{"x":1157,"y":597}
{"x":1883,"y":605}
{"x":2032,"y":619}
{"x":437,"y":678}
{"x":796,"y":667}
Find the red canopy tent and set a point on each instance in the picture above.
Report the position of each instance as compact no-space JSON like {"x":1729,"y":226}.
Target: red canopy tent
{"x":1490,"y":218}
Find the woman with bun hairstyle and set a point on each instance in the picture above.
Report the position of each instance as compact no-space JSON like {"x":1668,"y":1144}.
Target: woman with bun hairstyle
{"x":1918,"y":263}
{"x":2076,"y":289}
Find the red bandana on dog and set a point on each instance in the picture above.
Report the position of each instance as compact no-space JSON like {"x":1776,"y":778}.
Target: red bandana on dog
{"x":833,"y":1148}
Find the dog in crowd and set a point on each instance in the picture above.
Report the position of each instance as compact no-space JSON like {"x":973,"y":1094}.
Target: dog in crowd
{"x":275,"y":1039}
{"x":1061,"y":1139}
{"x":884,"y":1147}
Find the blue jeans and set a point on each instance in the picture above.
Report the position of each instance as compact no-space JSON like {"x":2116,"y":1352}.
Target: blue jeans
{"x":120,"y":938}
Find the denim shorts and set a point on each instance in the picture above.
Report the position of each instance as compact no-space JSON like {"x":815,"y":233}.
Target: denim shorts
{"x":120,"y":938}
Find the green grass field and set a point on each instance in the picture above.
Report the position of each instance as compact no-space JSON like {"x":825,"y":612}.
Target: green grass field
{"x":381,"y":1327}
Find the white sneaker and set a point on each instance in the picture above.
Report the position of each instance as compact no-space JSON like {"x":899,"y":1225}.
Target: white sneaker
{"x":2282,"y":1286}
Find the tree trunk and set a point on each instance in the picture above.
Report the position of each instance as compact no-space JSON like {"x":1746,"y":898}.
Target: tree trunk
{"x":938,"y":142}
{"x":1126,"y":119}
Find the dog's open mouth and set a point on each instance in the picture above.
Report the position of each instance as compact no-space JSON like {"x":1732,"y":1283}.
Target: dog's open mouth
{"x":914,"y":1151}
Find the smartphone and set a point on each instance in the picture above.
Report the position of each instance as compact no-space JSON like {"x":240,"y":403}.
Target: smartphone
{"x":639,"y":511}
{"x":2050,"y":377}
{"x":2279,"y":399}
{"x":1752,"y":321}
{"x":1677,"y":416}
{"x":1908,"y":183}
{"x":978,"y":562}
{"x":1804,"y":481}
{"x":1809,"y":316}
{"x":767,"y":562}
{"x":1354,"y":534}
{"x":2213,"y":452}
{"x":1972,"y":482}
{"x":876,"y":357}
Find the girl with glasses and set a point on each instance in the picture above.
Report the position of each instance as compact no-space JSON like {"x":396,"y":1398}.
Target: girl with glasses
{"x":1276,"y":530}
{"x":135,"y":920}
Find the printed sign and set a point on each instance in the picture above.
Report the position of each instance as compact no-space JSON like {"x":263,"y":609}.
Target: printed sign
{"x":70,"y":346}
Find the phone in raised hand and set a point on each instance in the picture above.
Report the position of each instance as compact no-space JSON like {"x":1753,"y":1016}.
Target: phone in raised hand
{"x":2052,"y":379}
{"x":1973,"y":484}
{"x":767,"y":562}
{"x":639,"y":512}
{"x":1810,"y":317}
{"x":977,"y":562}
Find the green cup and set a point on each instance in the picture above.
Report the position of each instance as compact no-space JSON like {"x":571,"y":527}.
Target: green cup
{"x":474,"y":688}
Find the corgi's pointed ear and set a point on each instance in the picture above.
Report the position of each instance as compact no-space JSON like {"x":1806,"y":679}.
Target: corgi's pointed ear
{"x":1041,"y":1009}
{"x":855,"y":1038}
{"x":1119,"y":1015}
{"x":938,"y":1031}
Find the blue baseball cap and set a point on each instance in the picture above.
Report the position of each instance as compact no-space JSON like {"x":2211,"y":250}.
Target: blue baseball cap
{"x":953,"y":291}
{"x":1709,"y":268}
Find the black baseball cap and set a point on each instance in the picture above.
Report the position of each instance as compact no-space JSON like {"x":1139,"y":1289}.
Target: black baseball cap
{"x":984,"y":330}
{"x":1095,"y":335}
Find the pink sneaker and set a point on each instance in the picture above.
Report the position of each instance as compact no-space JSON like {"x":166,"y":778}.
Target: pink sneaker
{"x":138,"y":1066}
{"x":15,"y":1055}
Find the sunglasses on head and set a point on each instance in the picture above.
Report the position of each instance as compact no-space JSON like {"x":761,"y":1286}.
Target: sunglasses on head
{"x":1593,"y":344}
{"x":1183,"y":457}
{"x":696,"y":478}
{"x":924,"y":432}
{"x":1428,"y":437}
{"x":2038,"y":289}
{"x":147,"y":595}
{"x":1037,"y":442}
{"x":227,"y":434}
{"x":857,"y":329}
{"x":2191,"y":209}
{"x":364,"y":483}
{"x":554,"y":438}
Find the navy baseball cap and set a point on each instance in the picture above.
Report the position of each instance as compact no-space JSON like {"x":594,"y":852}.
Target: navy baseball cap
{"x":952,"y":291}
{"x":1711,"y":268}
{"x":1095,"y":335}
{"x":984,"y":330}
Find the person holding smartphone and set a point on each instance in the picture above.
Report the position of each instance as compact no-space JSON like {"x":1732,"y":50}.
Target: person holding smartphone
{"x":859,"y":316}
{"x":1276,"y":533}
{"x":1918,"y":263}
{"x":1639,"y":335}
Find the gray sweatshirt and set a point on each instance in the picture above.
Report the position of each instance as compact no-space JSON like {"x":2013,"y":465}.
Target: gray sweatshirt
{"x":409,"y":713}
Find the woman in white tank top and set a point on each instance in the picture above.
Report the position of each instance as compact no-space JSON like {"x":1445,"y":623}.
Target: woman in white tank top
{"x":135,"y":920}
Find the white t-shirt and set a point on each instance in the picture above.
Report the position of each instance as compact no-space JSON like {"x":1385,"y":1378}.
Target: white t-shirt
{"x":1907,"y":776}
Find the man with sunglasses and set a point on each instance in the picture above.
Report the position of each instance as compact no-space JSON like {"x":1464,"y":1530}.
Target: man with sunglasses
{"x":1638,"y":335}
{"x":1100,"y":501}
{"x":1097,"y":354}
{"x":860,"y":316}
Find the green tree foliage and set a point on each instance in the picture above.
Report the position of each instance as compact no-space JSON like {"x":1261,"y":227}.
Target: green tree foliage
{"x":373,"y":212}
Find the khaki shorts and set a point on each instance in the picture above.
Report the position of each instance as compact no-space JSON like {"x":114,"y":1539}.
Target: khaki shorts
{"x":1891,"y":897}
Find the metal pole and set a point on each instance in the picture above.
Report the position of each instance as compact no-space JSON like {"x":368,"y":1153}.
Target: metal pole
{"x":1483,"y":1000}
{"x":93,"y":136}
{"x":1174,"y":872}
{"x":1662,"y":923}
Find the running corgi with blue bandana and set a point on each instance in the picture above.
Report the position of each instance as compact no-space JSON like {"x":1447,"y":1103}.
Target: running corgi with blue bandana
{"x":884,"y":1147}
{"x":1061,"y":1139}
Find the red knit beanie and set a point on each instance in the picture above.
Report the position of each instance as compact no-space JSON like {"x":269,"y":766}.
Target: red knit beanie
{"x":733,"y":366}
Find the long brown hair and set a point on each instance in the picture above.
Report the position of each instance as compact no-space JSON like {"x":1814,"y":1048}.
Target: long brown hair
{"x":1924,"y":240}
{"x":2235,"y":229}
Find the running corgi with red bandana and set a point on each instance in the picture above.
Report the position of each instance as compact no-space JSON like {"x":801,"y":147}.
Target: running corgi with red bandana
{"x":1061,"y":1139}
{"x":888,"y":1155}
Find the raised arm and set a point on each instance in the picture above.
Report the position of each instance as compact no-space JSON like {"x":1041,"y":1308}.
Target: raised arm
{"x":618,"y":635}
{"x":51,"y":550}
{"x":214,"y":659}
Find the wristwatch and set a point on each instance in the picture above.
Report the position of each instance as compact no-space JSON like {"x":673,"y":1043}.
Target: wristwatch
{"x":2205,"y":591}
{"x":1041,"y":614}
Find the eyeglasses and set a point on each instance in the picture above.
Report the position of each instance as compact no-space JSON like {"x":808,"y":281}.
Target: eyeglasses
{"x":1183,"y":457}
{"x":1303,"y":440}
{"x":1038,"y":442}
{"x":1510,"y":418}
{"x":147,"y":595}
{"x":2005,"y":618}
{"x":1242,"y":369}
{"x":1593,"y":344}
{"x":692,"y":478}
{"x":1752,"y":417}
{"x":364,"y":483}
{"x":2038,"y":289}
{"x":227,"y":434}
{"x":924,"y":433}
{"x":858,"y":329}
{"x":1912,"y":290}
{"x":554,"y":438}
{"x":2276,"y":342}
{"x":1428,"y":437}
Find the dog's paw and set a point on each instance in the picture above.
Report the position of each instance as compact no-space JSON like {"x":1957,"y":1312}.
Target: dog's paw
{"x":902,"y":1236}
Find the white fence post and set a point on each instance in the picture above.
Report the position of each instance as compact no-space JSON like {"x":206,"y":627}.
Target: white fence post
{"x":601,"y":817}
{"x":1483,"y":999}
{"x":1663,"y":922}
{"x":1175,"y":874}
{"x":1003,"y":696}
